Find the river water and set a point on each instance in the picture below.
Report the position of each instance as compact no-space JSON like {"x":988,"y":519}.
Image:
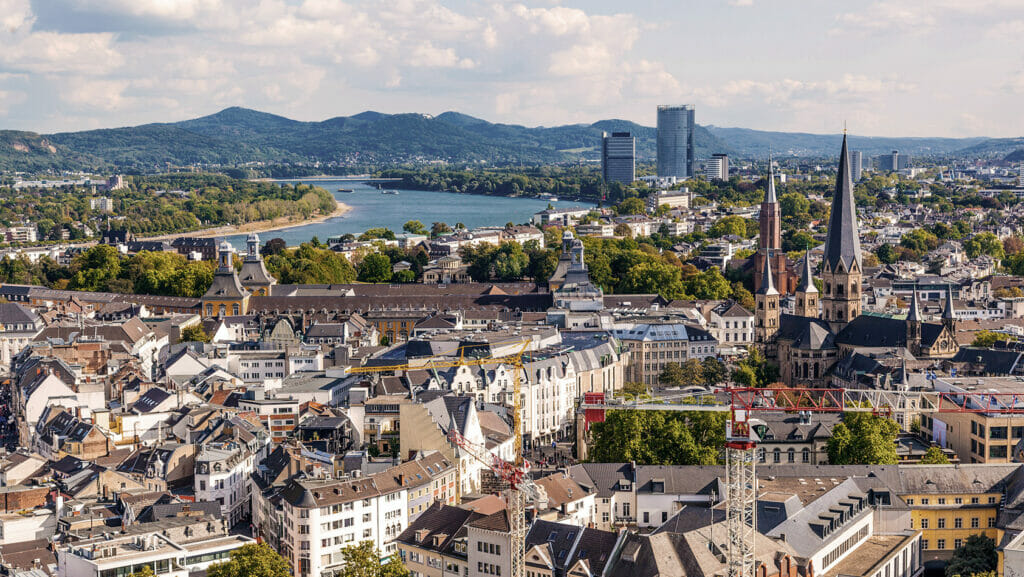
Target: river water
{"x":372,"y":209}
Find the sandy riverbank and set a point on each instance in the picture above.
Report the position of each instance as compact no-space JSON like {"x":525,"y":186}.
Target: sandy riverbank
{"x":257,"y":227}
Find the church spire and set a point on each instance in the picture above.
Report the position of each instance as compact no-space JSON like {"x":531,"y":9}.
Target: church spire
{"x":807,"y":277}
{"x":948,"y":315}
{"x":914,"y":314}
{"x":769,"y":195}
{"x":947,"y":312}
{"x":767,"y":284}
{"x":842,"y":245}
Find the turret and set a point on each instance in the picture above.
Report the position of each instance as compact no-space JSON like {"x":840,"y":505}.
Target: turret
{"x":948,"y":315}
{"x":914,"y":325}
{"x":806,"y":292}
{"x":766,"y":315}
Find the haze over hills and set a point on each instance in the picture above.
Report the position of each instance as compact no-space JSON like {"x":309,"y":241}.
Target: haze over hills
{"x":239,"y":135}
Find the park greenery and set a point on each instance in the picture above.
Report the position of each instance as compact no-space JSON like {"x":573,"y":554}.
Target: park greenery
{"x":977,"y":557}
{"x":160,"y":204}
{"x":102,"y":268}
{"x":252,"y":560}
{"x":659,"y":437}
{"x":863,"y":439}
{"x":934,"y":456}
{"x":364,"y":560}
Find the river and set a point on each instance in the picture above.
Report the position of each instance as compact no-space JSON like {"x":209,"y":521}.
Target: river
{"x":371,"y":209}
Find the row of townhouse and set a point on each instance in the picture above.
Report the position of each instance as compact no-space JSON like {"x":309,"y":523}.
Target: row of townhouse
{"x":310,"y":520}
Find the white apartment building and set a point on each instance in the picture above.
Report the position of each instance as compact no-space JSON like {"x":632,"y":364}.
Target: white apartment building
{"x":323,"y":517}
{"x":224,"y":474}
{"x":178,"y":548}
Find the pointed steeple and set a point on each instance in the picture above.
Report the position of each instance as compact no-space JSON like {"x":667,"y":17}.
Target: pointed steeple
{"x":767,"y":284}
{"x":947,"y":312}
{"x":769,"y":195}
{"x":915,"y":311}
{"x":842,"y":245}
{"x":807,"y":277}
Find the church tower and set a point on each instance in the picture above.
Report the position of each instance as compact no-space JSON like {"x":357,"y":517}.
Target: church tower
{"x":806,"y":293}
{"x":766,"y":315}
{"x":771,"y":216}
{"x":914,"y":325}
{"x":841,"y":268}
{"x":948,"y":316}
{"x":254,"y":275}
{"x":226,"y":296}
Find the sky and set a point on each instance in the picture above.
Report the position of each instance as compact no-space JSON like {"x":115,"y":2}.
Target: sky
{"x":884,"y":67}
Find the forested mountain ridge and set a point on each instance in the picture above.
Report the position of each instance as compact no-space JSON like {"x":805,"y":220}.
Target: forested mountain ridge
{"x":235,"y":136}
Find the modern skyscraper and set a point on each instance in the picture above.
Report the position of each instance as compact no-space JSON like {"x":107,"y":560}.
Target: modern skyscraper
{"x":893,"y":162}
{"x":675,"y":140}
{"x":717,"y":167}
{"x":618,"y":156}
{"x":856,"y":164}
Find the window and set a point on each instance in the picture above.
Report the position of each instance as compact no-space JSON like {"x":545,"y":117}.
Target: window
{"x":991,"y":522}
{"x":942,"y":500}
{"x":940,"y":544}
{"x":942,"y":523}
{"x":974,"y":500}
{"x":647,"y":517}
{"x":924,"y":544}
{"x":991,"y":500}
{"x":957,"y":543}
{"x":924,"y":523}
{"x":975,"y":522}
{"x":958,"y":501}
{"x":997,"y":451}
{"x":958,"y":523}
{"x":910,"y":501}
{"x":924,"y":500}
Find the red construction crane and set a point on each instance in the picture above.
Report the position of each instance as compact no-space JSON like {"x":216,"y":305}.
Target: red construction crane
{"x":740,"y":445}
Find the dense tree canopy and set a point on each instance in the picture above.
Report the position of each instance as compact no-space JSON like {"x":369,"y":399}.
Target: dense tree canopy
{"x":252,"y":560}
{"x":977,"y":556}
{"x":363,"y":560}
{"x":863,"y":439}
{"x":659,"y":438}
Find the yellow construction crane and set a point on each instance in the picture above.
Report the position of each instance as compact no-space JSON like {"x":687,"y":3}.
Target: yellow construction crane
{"x":521,"y":488}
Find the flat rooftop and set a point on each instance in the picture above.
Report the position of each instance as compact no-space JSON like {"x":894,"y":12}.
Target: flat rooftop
{"x":865,"y":560}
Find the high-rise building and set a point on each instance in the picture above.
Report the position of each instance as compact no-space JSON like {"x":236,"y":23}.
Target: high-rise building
{"x":856,"y":164}
{"x":892,"y":162}
{"x":618,"y":156}
{"x":717,"y":167}
{"x":675,"y":140}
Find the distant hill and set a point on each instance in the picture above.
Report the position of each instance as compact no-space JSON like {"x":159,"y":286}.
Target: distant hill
{"x":238,"y":135}
{"x":755,"y":143}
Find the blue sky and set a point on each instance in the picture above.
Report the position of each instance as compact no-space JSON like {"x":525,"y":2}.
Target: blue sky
{"x":886,"y":67}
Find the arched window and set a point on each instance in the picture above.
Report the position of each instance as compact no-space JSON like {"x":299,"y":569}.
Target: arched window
{"x":223,"y":310}
{"x":791,"y":454}
{"x":209,"y":309}
{"x":777,"y":455}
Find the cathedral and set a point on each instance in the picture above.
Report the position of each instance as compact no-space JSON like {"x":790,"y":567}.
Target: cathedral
{"x":829,"y":326}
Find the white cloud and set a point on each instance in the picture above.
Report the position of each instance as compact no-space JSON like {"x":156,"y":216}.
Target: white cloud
{"x":98,"y":94}
{"x":15,"y":15}
{"x":429,"y":56}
